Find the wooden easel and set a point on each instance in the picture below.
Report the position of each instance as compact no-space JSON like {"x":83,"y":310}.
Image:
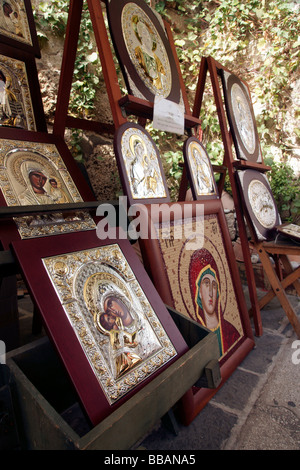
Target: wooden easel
{"x":121,"y":106}
{"x":211,"y":66}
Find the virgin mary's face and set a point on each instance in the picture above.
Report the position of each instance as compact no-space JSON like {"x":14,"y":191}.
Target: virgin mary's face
{"x":37,"y":179}
{"x":208,"y":293}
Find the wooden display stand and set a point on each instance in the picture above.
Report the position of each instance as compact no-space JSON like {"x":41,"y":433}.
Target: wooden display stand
{"x":42,"y":424}
{"x":265,"y":250}
{"x":24,"y":54}
{"x":210,"y":65}
{"x":279,"y":252}
{"x":121,"y":105}
{"x":44,"y":397}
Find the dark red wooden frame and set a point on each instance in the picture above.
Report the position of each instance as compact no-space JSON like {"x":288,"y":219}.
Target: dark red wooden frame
{"x":195,"y":399}
{"x":33,"y":83}
{"x":29,"y":254}
{"x":122,"y":169}
{"x":238,"y":143}
{"x":33,"y":49}
{"x":8,"y":228}
{"x":258,"y":231}
{"x":191,"y":176}
{"x":114,"y":13}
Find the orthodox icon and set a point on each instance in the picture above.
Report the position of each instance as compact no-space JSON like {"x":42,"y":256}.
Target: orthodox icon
{"x":35,"y":174}
{"x":146,"y":50}
{"x":127,"y":339}
{"x":197,"y":276}
{"x":261,"y":209}
{"x":14,"y":21}
{"x":289,"y":230}
{"x":140,"y":165}
{"x":205,"y":285}
{"x":202,"y":287}
{"x":145,"y":55}
{"x":15,"y":100}
{"x":100,"y":309}
{"x":241,"y":118}
{"x":200,"y":170}
{"x":194,"y":274}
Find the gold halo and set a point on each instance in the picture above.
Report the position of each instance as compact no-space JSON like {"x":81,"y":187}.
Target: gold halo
{"x":133,"y":138}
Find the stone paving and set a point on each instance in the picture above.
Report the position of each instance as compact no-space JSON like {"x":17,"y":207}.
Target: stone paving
{"x":258,"y":408}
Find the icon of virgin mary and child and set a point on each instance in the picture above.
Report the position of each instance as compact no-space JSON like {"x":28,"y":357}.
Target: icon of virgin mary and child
{"x":40,"y":188}
{"x":116,"y":321}
{"x":205,"y":288}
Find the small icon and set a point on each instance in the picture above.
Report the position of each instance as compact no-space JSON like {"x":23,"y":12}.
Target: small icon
{"x":2,"y":352}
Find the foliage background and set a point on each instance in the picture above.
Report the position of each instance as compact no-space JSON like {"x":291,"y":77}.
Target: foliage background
{"x":258,"y":40}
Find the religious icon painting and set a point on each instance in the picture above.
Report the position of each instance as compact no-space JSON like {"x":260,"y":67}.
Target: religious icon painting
{"x":103,"y":314}
{"x":34,"y":173}
{"x":289,"y":230}
{"x":259,"y":203}
{"x":241,"y":118}
{"x":144,"y":52}
{"x":17,"y":28}
{"x":16,"y":109}
{"x":140,"y":165}
{"x":193,"y":268}
{"x":199,"y":170}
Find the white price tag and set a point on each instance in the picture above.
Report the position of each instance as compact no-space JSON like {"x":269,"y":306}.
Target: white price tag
{"x":168,"y":116}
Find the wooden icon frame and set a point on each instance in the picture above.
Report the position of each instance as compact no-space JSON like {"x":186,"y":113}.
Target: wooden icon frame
{"x":126,"y":158}
{"x":58,"y":272}
{"x":25,"y":39}
{"x":166,"y":262}
{"x":23,"y":67}
{"x":207,"y":173}
{"x":138,"y":82}
{"x":251,"y":150}
{"x":257,"y":220}
{"x":56,"y":155}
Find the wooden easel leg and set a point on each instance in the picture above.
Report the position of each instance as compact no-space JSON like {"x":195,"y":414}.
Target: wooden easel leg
{"x":279,"y":290}
{"x":183,"y":186}
{"x":67,"y":68}
{"x":255,"y":309}
{"x":291,"y":279}
{"x":288,"y":269}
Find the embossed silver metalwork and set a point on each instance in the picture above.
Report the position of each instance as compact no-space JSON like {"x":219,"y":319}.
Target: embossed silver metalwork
{"x":20,"y":158}
{"x":262,"y":204}
{"x":146,"y":50}
{"x":142,"y":167}
{"x":15,"y":100}
{"x":135,"y":345}
{"x":14,"y":22}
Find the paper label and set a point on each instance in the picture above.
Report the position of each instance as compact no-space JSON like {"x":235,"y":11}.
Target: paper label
{"x":168,"y":116}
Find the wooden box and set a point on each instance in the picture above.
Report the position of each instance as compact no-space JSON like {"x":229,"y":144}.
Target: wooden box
{"x":50,"y":418}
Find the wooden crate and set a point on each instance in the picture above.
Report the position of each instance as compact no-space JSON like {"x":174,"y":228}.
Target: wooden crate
{"x":50,"y":418}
